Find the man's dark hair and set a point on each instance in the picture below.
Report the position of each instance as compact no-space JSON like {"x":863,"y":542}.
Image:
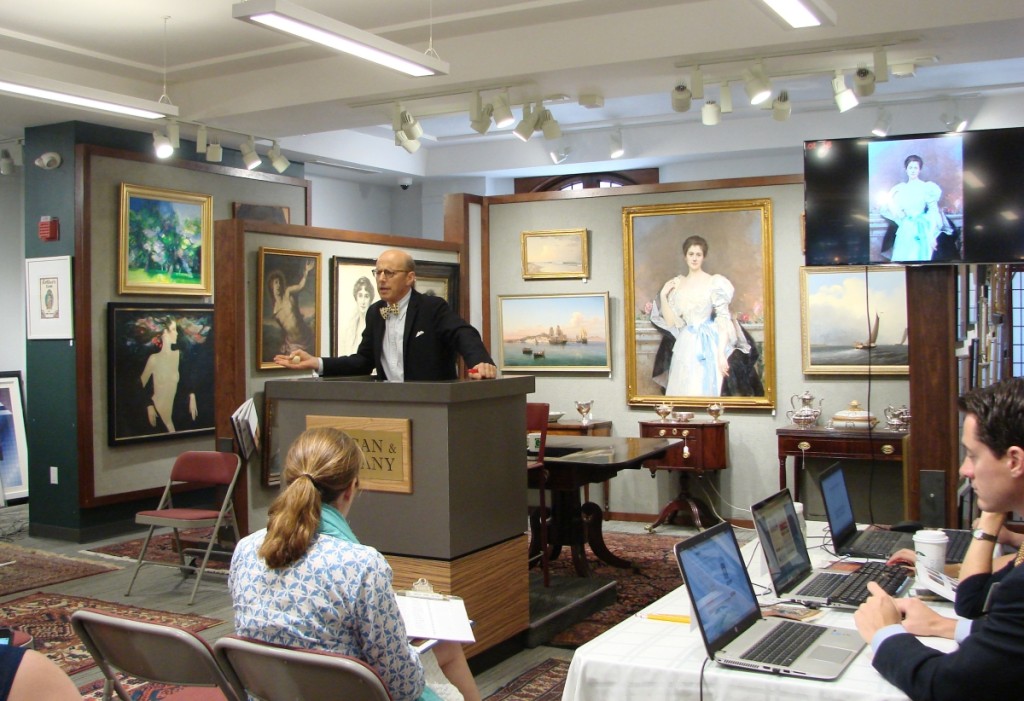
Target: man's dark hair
{"x":999,"y":410}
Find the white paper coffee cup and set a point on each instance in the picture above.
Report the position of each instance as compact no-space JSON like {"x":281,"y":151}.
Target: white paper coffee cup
{"x":532,"y":442}
{"x":930,"y":546}
{"x":799,"y":508}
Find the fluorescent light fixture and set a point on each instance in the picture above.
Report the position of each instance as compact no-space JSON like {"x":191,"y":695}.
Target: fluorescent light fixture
{"x":250,"y":158}
{"x":882,"y":124}
{"x":681,"y":98}
{"x":757,"y":85}
{"x":289,"y":18}
{"x":214,"y":153}
{"x":782,"y":107}
{"x":162,"y":145}
{"x":710,"y":113}
{"x":800,"y":14}
{"x":6,"y":162}
{"x":277,"y":159}
{"x":846,"y":99}
{"x":503,"y":116}
{"x":616,"y":150}
{"x":80,"y":96}
{"x":201,"y":143}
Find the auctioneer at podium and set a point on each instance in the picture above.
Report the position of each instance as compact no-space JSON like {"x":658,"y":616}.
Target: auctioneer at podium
{"x":444,"y":492}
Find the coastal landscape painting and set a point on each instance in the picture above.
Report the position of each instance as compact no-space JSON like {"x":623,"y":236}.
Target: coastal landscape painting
{"x":554,"y":333}
{"x":854,"y":320}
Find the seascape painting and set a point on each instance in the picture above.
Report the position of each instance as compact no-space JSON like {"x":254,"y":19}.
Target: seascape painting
{"x":547,"y":333}
{"x":854,"y":320}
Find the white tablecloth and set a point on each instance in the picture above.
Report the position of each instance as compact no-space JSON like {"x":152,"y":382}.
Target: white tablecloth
{"x":646,"y":660}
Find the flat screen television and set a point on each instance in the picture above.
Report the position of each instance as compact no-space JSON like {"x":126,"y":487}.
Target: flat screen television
{"x":919,"y":199}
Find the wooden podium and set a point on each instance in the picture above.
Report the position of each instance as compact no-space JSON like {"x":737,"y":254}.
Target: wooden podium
{"x":461,"y":522}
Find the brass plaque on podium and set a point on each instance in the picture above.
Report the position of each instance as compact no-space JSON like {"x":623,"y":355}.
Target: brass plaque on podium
{"x":387,"y":445}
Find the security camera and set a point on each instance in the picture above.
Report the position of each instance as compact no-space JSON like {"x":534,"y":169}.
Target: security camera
{"x":405,"y":183}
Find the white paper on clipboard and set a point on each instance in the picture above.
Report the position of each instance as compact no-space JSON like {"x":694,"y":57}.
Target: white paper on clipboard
{"x":435,"y":616}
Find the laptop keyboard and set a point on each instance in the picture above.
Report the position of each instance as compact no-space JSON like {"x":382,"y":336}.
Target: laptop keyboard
{"x":957,"y":546}
{"x":852,"y":589}
{"x":878,"y":541}
{"x":784,"y":644}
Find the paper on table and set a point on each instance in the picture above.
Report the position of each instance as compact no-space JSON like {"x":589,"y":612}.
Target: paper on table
{"x":435,"y":616}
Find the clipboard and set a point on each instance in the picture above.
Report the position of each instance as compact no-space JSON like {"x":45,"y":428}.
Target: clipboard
{"x":435,"y":616}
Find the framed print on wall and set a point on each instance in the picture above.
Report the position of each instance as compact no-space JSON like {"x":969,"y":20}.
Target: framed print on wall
{"x":289,"y":304}
{"x":699,"y":308}
{"x":555,"y":254}
{"x":440,"y":279}
{"x":50,"y":312}
{"x":160,"y":371}
{"x":853,"y":320}
{"x":554,"y":333}
{"x":165,"y":242}
{"x":13,"y":446}
{"x":353,"y":290}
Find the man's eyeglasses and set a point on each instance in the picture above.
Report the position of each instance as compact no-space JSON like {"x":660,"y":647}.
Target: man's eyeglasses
{"x":386,"y":274}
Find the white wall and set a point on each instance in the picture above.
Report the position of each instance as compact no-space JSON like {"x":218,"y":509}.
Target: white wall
{"x":12,"y":272}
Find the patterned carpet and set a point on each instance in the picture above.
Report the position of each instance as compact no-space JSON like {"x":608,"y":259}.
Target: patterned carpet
{"x":47,"y":618}
{"x":542,"y":683}
{"x":31,"y":569}
{"x":161,"y":548}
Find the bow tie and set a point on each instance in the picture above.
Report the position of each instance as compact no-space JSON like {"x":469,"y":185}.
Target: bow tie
{"x":389,"y":310}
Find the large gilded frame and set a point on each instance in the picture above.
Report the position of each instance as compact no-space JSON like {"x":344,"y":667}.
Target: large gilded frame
{"x":739,"y":237}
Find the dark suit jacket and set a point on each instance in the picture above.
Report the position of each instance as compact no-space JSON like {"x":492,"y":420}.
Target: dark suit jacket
{"x":986,"y":664}
{"x":433,"y":336}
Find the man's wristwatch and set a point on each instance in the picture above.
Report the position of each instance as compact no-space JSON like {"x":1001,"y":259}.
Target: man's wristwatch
{"x":979,"y":534}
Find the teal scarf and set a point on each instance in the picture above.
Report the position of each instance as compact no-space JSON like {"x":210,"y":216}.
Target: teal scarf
{"x":332,"y":523}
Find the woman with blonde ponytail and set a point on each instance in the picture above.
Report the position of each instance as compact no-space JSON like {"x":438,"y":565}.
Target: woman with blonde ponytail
{"x":306,"y":581}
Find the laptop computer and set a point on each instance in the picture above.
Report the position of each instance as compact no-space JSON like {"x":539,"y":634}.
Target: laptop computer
{"x":734,"y":631}
{"x":789,"y":563}
{"x":876,"y":544}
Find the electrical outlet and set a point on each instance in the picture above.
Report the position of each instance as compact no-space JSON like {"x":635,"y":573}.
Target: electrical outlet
{"x":53,"y":475}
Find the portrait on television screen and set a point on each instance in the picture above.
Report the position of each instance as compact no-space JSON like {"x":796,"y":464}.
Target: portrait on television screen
{"x":916,"y":205}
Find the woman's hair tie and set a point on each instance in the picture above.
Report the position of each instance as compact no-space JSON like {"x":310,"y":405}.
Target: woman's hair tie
{"x":312,"y":481}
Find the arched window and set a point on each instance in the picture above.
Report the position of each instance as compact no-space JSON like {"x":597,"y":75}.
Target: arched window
{"x":586,"y":181}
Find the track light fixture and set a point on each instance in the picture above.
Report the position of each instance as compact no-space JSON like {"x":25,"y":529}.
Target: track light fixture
{"x":410,"y":125}
{"x":277,"y":159}
{"x":503,"y":116}
{"x":250,"y":158}
{"x":697,"y":83}
{"x":864,"y":81}
{"x":49,"y":160}
{"x":480,"y":115}
{"x":214,"y":153}
{"x":524,"y":130}
{"x":162,"y":145}
{"x":174,"y":134}
{"x":725,"y":99}
{"x":681,"y":97}
{"x":616,"y":149}
{"x":6,"y":162}
{"x":954,"y":122}
{"x":201,"y":143}
{"x":845,"y":98}
{"x":288,"y":18}
{"x":782,"y":107}
{"x":549,"y":126}
{"x":757,"y":85}
{"x":710,"y":113}
{"x":560,"y":154}
{"x":882,"y":124}
{"x":402,"y":139}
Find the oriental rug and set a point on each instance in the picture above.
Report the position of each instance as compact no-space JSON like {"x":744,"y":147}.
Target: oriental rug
{"x":47,"y":618}
{"x":542,"y":683}
{"x":141,"y":690}
{"x":161,"y":548}
{"x":654,"y":574}
{"x":23,"y":568}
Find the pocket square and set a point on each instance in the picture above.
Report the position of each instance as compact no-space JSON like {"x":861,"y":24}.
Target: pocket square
{"x":419,"y":333}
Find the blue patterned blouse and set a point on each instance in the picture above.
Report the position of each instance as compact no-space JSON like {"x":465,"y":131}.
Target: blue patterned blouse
{"x":337,"y":597}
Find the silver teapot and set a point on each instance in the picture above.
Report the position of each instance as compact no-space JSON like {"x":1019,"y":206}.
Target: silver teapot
{"x":897,"y":418}
{"x":807,"y":413}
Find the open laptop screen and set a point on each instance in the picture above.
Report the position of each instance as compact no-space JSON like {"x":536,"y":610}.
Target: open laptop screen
{"x":838,"y":506}
{"x":720,"y":590}
{"x":778,"y":527}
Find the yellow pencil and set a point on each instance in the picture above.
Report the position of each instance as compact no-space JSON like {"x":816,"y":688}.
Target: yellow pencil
{"x":671,"y":617}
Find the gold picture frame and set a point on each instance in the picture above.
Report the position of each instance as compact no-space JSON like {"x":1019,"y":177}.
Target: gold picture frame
{"x":554,"y":333}
{"x":735,"y":275}
{"x":285,"y":277}
{"x":165,"y":242}
{"x":556,"y":254}
{"x":853,"y":320}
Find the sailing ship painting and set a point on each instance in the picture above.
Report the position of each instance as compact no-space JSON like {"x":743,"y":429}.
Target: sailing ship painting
{"x":854,"y":320}
{"x":555,"y":332}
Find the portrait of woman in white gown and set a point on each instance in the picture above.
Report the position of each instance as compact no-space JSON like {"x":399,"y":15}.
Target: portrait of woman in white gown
{"x":914,"y":206}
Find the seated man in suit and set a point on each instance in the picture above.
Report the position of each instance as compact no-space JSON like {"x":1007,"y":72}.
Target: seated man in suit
{"x":408,"y":336}
{"x":992,"y":600}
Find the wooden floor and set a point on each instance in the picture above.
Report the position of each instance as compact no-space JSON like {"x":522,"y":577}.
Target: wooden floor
{"x":165,"y":589}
